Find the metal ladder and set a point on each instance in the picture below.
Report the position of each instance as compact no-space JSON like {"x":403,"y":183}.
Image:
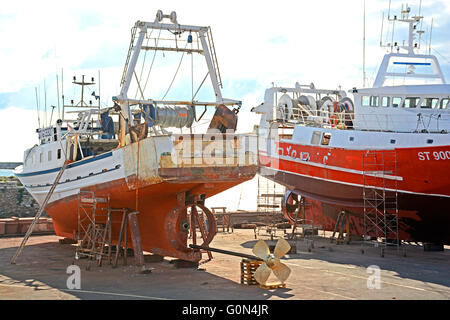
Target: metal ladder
{"x":39,"y":213}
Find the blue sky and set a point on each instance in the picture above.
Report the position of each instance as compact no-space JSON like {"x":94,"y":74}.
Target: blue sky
{"x":257,"y":43}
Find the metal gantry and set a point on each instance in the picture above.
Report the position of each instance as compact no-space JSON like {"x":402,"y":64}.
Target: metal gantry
{"x":380,"y":198}
{"x":139,"y":32}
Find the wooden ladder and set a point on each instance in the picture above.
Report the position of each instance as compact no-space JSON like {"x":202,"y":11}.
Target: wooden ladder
{"x":39,"y":213}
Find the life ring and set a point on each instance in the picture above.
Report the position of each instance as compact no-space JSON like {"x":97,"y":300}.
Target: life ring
{"x":334,"y":120}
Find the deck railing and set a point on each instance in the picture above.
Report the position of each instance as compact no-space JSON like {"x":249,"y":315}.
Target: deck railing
{"x":438,"y":122}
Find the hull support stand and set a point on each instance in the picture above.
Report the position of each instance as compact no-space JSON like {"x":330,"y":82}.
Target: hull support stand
{"x":137,"y":243}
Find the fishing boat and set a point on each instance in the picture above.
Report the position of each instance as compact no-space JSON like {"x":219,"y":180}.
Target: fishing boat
{"x":380,"y":155}
{"x":142,"y":154}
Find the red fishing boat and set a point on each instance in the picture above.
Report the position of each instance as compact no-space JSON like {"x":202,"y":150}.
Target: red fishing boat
{"x":381,"y":156}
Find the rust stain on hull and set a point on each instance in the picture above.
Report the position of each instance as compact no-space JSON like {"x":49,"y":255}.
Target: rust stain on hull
{"x":207,"y":174}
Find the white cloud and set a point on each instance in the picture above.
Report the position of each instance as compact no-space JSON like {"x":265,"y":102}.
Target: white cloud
{"x":322,"y":40}
{"x":17,"y":133}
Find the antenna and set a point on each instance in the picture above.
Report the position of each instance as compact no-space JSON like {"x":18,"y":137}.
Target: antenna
{"x":45,"y":103}
{"x":51,"y":115}
{"x":62,"y":92}
{"x":364,"y":45}
{"x":57,"y":91}
{"x":389,"y":11}
{"x":99,"y":95}
{"x":393,"y":29}
{"x":37,"y":107}
{"x":431,"y":34}
{"x":420,"y":32}
{"x":381,"y":34}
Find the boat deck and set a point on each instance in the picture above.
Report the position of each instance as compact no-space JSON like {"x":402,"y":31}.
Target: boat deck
{"x":324,"y":273}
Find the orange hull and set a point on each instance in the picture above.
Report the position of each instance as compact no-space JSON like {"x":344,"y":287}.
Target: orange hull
{"x":155,"y":204}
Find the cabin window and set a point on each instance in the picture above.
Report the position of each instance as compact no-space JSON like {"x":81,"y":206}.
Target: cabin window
{"x":370,"y":101}
{"x":444,"y":103}
{"x":374,"y":101}
{"x":41,"y":157}
{"x":411,"y":102}
{"x":385,"y":101}
{"x":326,"y":139}
{"x":430,"y":103}
{"x":351,"y":138}
{"x":396,"y":102}
{"x":59,"y":154}
{"x":315,"y":139}
{"x":365,"y":101}
{"x":50,"y":155}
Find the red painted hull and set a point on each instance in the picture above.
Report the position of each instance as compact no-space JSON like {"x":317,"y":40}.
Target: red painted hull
{"x":332,"y":179}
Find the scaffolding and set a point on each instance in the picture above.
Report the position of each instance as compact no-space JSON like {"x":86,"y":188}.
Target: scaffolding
{"x":270,"y":196}
{"x":94,"y":227}
{"x":94,"y":231}
{"x":380,"y":198}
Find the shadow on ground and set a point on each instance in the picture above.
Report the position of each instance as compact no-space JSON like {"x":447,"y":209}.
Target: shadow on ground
{"x":432,"y":267}
{"x":42,"y":267}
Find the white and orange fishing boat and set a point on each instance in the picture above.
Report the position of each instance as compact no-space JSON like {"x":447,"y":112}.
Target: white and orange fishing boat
{"x":382,"y":155}
{"x":144,"y":161}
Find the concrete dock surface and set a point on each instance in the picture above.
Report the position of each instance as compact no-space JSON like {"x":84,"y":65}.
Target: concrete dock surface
{"x":321,"y":270}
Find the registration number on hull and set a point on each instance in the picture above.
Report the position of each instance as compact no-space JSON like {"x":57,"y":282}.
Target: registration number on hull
{"x":436,"y":155}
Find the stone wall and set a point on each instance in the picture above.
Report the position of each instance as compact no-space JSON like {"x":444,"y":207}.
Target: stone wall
{"x":15,"y":201}
{"x":9,"y":165}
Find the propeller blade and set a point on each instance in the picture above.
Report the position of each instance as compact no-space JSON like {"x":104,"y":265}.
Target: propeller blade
{"x":281,"y":248}
{"x":281,"y":271}
{"x":262,"y":273}
{"x":261,"y":250}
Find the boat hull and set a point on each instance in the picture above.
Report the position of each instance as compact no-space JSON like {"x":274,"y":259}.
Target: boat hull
{"x":148,"y":177}
{"x":338,"y":185}
{"x":155,"y":205}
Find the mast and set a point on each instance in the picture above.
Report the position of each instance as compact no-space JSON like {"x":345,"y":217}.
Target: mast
{"x":431,"y":34}
{"x":57,"y":92}
{"x":408,"y":57}
{"x":37,"y":108}
{"x":45,"y":103}
{"x":62,"y":93}
{"x":364,"y":45}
